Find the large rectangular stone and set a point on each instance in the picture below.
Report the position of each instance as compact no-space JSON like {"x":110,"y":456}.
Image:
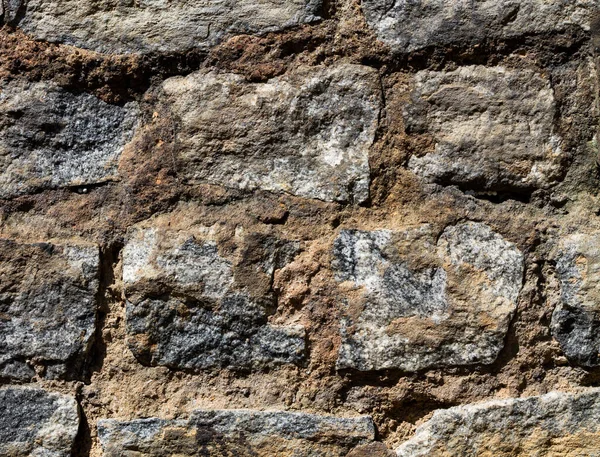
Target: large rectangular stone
{"x":307,"y":133}
{"x":449,"y":307}
{"x":51,"y":138}
{"x":237,"y":432}
{"x":47,"y":308}
{"x":143,"y":26}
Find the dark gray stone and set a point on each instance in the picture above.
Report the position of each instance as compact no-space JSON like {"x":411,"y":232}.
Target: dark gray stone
{"x":412,"y":25}
{"x":52,"y":138}
{"x":576,"y":319}
{"x":47,"y":308}
{"x":185,"y":311}
{"x":237,"y":432}
{"x":37,"y":423}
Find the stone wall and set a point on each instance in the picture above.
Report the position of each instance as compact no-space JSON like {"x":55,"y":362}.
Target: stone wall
{"x":308,"y":228}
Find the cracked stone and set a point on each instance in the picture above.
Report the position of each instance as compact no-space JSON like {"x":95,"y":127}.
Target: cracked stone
{"x":151,"y":26}
{"x":35,"y":422}
{"x":307,"y":133}
{"x":47,"y":308}
{"x":408,"y":26}
{"x":52,"y":138}
{"x":492,"y":128}
{"x":555,"y":424}
{"x":187,"y":307}
{"x":237,"y":432}
{"x":448,"y":305}
{"x":576,"y":318}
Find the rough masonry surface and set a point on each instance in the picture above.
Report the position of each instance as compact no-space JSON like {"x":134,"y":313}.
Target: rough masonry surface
{"x":51,"y":138}
{"x":408,"y":26}
{"x":454,"y":312}
{"x":35,"y":422}
{"x":47,"y":308}
{"x":155,"y":25}
{"x":307,"y":133}
{"x":492,"y":128}
{"x":554,"y":424}
{"x":184,"y":312}
{"x":238,"y":432}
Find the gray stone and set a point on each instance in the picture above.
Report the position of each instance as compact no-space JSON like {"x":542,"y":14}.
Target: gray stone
{"x":449,"y":307}
{"x":307,"y":133}
{"x":492,"y":127}
{"x":411,"y":25}
{"x":576,"y":318}
{"x":47,"y":308}
{"x":52,"y":138}
{"x":37,"y":423}
{"x":237,"y":432}
{"x":555,"y":424}
{"x":142,"y":26}
{"x":185,"y":310}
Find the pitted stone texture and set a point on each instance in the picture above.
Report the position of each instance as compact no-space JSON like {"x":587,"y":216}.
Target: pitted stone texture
{"x":185,"y":309}
{"x":449,"y":307}
{"x":492,"y":127}
{"x":52,"y":138}
{"x":47,"y":308}
{"x":237,"y":432}
{"x":576,"y":319}
{"x":409,"y":25}
{"x":553,"y":425}
{"x":37,"y":423}
{"x":144,"y":26}
{"x":307,"y":133}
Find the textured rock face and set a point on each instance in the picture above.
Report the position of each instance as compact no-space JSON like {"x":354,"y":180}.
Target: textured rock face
{"x":408,"y":26}
{"x":155,"y":25}
{"x":47,"y":308}
{"x":576,"y":320}
{"x":456,"y":311}
{"x":34,"y":422}
{"x":556,"y":424}
{"x":237,"y":432}
{"x":184,"y":312}
{"x":308,"y":133}
{"x":492,"y":127}
{"x":52,"y":138}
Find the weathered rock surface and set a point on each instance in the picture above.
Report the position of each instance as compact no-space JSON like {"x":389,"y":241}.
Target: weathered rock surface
{"x":576,"y":319}
{"x":555,"y":424}
{"x":34,"y":422}
{"x":492,"y":127}
{"x":419,"y":311}
{"x":307,"y":133}
{"x":52,"y":138}
{"x":143,"y":26}
{"x":237,"y":432}
{"x":47,"y":308}
{"x":186,"y":308}
{"x":408,"y":26}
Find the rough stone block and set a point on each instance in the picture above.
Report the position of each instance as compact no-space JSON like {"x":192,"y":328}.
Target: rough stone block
{"x":187,"y":310}
{"x":492,"y":127}
{"x":418,"y":310}
{"x":576,"y":319}
{"x":143,"y":26}
{"x":555,"y":424}
{"x":51,"y":138}
{"x":47,"y":308}
{"x":307,"y":133}
{"x":408,"y":26}
{"x":237,"y":432}
{"x":37,"y":423}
